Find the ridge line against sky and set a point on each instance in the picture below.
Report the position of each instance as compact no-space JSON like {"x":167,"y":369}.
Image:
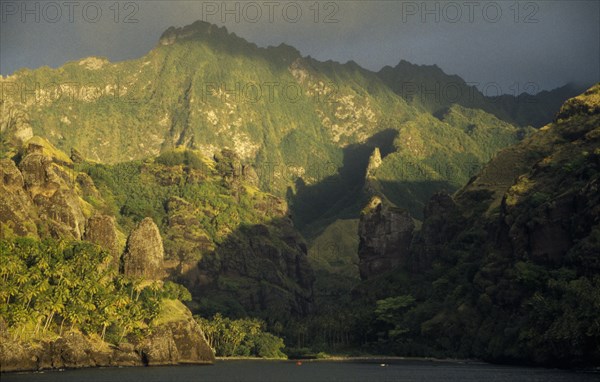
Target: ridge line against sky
{"x":509,"y":43}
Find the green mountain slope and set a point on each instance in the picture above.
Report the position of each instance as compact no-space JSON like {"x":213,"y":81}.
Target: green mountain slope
{"x":231,"y":244}
{"x":290,"y":117}
{"x":428,"y":87}
{"x":507,"y":268}
{"x":239,"y":154}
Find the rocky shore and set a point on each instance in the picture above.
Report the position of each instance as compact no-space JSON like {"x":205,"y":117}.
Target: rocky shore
{"x":172,"y":343}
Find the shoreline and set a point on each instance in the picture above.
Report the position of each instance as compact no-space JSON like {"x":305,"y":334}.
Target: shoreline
{"x":373,"y":358}
{"x":383,"y":360}
{"x":390,"y":360}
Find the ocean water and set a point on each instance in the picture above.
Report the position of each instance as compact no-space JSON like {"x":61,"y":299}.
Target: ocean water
{"x":313,"y":371}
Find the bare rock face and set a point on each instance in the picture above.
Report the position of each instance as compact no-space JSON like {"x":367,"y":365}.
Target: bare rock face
{"x":440,"y":224}
{"x":180,"y":341}
{"x":270,"y":266}
{"x":176,"y":342}
{"x":374,"y":162}
{"x":385,"y":237}
{"x":101,"y":230}
{"x":51,"y":188}
{"x":87,"y":186}
{"x":144,"y":256}
{"x":372,"y":186}
{"x":16,"y":207}
{"x":14,"y":122}
{"x":62,"y":213}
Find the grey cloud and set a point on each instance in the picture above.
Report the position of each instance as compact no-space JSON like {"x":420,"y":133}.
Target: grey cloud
{"x":562,"y":46}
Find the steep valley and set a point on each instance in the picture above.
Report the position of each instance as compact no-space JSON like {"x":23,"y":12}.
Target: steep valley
{"x":317,"y":198}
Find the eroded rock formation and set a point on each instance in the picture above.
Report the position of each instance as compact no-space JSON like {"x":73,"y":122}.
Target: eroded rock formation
{"x":101,"y":230}
{"x":144,"y":256}
{"x":385,"y":237}
{"x":50,"y":187}
{"x":179,"y":341}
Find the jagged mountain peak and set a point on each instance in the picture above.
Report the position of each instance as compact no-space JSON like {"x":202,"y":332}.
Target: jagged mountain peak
{"x":222,"y":40}
{"x":195,"y":30}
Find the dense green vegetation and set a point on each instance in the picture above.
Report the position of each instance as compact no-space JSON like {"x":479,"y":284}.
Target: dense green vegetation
{"x":173,"y":137}
{"x":240,"y":338}
{"x":49,"y":287}
{"x":514,"y":275}
{"x":179,"y":185}
{"x":492,"y":308}
{"x":199,"y":93}
{"x":428,"y":87}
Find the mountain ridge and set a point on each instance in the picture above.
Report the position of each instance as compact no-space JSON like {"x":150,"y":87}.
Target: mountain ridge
{"x":250,"y":168}
{"x":517,"y":247}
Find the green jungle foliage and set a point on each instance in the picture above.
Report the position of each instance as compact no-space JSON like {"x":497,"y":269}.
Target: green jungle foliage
{"x":146,"y":128}
{"x":242,"y":337}
{"x":51,"y":286}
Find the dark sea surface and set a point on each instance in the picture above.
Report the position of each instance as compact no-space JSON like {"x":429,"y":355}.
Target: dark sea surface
{"x":282,"y":371}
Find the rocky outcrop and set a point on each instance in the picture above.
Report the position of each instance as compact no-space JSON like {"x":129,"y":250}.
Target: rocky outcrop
{"x":440,"y":224}
{"x":50,"y":186}
{"x":374,"y":162}
{"x":174,"y":343}
{"x":16,"y":207}
{"x":177,"y":342}
{"x":144,"y":256}
{"x":87,"y":186}
{"x":14,"y":122}
{"x":372,"y":185}
{"x":101,"y":230}
{"x":385,"y":234}
{"x":233,"y":171}
{"x":198,"y":29}
{"x":62,"y":213}
{"x":263,"y":268}
{"x":72,"y":350}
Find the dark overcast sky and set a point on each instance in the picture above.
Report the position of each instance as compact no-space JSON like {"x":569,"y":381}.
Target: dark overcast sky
{"x":510,"y":43}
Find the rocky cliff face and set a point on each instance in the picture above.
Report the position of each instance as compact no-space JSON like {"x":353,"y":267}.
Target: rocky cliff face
{"x":440,"y":224}
{"x":255,"y":267}
{"x":39,"y":196}
{"x":179,"y":341}
{"x":101,"y":230}
{"x":50,"y":186}
{"x":14,"y":125}
{"x":144,"y":256}
{"x":16,"y":207}
{"x":534,"y":200}
{"x":385,"y":236}
{"x":507,"y":268}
